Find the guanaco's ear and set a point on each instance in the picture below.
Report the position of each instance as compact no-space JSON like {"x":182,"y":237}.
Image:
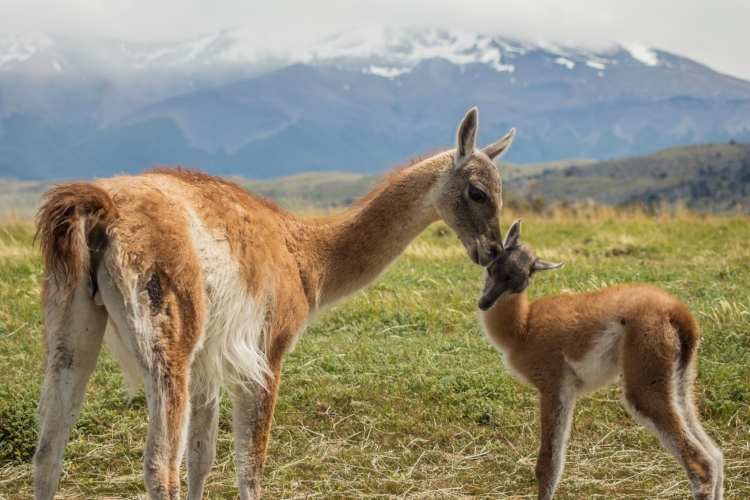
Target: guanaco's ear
{"x":543,"y":265}
{"x":497,"y":148}
{"x":466,"y":138}
{"x":511,"y":237}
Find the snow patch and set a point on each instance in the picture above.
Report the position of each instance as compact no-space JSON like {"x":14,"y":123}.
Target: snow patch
{"x":565,"y":62}
{"x":595,"y":65}
{"x":385,"y":72}
{"x":643,"y":54}
{"x":398,"y":52}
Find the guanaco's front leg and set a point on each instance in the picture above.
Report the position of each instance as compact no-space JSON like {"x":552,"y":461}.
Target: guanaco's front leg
{"x":253,"y":411}
{"x":556,"y":412}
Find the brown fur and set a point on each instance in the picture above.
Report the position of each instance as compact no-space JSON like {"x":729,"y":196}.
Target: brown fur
{"x":567,"y":326}
{"x":573,"y":344}
{"x":394,"y":172}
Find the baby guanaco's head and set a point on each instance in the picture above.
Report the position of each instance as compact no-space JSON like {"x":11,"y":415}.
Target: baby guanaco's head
{"x":511,"y":271}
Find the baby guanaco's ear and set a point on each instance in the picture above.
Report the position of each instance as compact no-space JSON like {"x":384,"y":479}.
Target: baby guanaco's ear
{"x":543,"y":265}
{"x":511,"y":237}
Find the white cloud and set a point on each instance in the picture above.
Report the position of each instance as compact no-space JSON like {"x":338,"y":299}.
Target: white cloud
{"x":711,"y":32}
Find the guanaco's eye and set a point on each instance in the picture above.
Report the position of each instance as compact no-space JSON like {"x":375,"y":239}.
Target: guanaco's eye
{"x":477,"y":194}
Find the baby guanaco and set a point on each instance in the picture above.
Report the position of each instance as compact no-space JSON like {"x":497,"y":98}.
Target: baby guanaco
{"x":567,"y":345}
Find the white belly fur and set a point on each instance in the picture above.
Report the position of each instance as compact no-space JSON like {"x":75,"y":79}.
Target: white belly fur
{"x":234,"y":343}
{"x":603,"y":363}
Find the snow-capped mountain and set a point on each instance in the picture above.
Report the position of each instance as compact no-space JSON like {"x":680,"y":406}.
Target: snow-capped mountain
{"x":358,"y":100}
{"x":391,"y":53}
{"x":385,"y":53}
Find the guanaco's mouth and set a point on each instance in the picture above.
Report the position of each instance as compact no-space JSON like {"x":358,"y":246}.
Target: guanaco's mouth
{"x":485,"y":303}
{"x":473,"y":253}
{"x":480,"y":251}
{"x":488,"y":299}
{"x":486,"y":254}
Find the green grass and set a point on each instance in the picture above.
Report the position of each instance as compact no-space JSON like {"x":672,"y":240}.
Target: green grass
{"x":396,"y":393}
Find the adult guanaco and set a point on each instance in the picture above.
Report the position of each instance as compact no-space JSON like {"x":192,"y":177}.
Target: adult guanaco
{"x":567,"y":345}
{"x":198,"y":283}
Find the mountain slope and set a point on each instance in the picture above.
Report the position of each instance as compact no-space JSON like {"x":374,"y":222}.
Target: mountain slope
{"x":357,"y":102}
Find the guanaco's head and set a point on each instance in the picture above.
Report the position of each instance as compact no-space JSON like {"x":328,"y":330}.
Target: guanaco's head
{"x":469,"y":193}
{"x":510,"y":272}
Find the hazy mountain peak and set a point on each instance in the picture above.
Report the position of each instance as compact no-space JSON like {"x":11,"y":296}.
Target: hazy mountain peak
{"x":389,"y":53}
{"x":392,"y":51}
{"x":382,"y":52}
{"x":18,"y":48}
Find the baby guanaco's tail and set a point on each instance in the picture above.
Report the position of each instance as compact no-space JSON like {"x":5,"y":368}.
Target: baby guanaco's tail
{"x":688,"y":333}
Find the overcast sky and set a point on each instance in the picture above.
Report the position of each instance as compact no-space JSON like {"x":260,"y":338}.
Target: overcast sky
{"x":713,"y":32}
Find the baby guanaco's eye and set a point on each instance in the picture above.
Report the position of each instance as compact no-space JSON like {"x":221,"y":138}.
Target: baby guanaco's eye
{"x":477,"y":195}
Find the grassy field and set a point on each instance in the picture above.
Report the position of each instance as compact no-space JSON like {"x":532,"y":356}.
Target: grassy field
{"x":395,"y":393}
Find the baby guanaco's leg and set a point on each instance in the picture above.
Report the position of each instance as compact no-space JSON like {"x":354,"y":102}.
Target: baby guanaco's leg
{"x":556,"y":415}
{"x":650,"y":395}
{"x":689,"y":412}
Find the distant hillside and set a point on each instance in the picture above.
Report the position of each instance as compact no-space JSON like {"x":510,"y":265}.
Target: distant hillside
{"x":710,"y":177}
{"x":714,"y":177}
{"x":302,"y":192}
{"x":20,"y":200}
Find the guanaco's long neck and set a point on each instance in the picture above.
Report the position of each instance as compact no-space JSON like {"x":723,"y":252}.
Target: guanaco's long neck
{"x":352,"y":249}
{"x":507,"y":321}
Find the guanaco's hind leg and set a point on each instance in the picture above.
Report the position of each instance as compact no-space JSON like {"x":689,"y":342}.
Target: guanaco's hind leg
{"x":689,"y":412}
{"x":201,"y":446}
{"x":556,"y":414}
{"x":650,"y":395}
{"x":160,"y":334}
{"x":253,"y":411}
{"x":74,"y":337}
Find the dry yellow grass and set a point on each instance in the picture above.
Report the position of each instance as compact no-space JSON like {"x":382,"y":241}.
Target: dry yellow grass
{"x":395,"y":393}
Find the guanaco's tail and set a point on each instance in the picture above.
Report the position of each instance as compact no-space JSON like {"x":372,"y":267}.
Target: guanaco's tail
{"x":688,"y":333}
{"x":72,"y":219}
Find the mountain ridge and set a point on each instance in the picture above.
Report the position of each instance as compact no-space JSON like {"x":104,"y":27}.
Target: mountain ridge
{"x":356,"y":101}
